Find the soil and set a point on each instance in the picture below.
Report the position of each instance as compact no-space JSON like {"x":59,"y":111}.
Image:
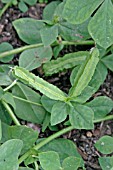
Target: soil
{"x":84,"y":140}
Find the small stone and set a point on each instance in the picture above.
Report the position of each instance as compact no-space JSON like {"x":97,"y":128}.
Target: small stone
{"x":89,"y":134}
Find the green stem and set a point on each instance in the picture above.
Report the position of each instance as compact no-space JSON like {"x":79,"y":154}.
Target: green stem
{"x":11,"y":85}
{"x":18,"y":50}
{"x":45,"y":141}
{"x":10,"y":113}
{"x":109,"y":117}
{"x":27,"y":101}
{"x":50,"y":138}
{"x":5,"y":8}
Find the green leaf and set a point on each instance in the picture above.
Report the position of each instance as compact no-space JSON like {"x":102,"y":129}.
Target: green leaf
{"x":101,"y":106}
{"x":72,"y":32}
{"x":59,"y":112}
{"x":106,"y":163}
{"x":49,"y":160}
{"x":33,"y":58}
{"x":81,"y":117}
{"x":48,"y":13}
{"x":22,"y":6}
{"x":30,"y":2}
{"x":85,"y":74}
{"x":0,"y":130}
{"x":46,"y":121}
{"x":38,"y":83}
{"x":28,"y":30}
{"x":71,"y":163}
{"x":105,"y":144}
{"x":10,"y":151}
{"x":57,"y":49}
{"x":24,"y":133}
{"x":27,"y":135}
{"x":101,"y":25}
{"x":49,"y":34}
{"x":8,"y":98}
{"x":67,"y":61}
{"x":77,"y":11}
{"x":29,"y":108}
{"x":63,"y":147}
{"x":5,"y":78}
{"x":24,"y":168}
{"x":4,"y":115}
{"x":48,"y":103}
{"x":1,"y":93}
{"x":108,"y":61}
{"x":3,"y":48}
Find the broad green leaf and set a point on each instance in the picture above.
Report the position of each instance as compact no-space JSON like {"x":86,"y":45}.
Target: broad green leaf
{"x":0,"y":130}
{"x":3,"y":48}
{"x":101,"y":106}
{"x":8,"y":98}
{"x":63,"y":147}
{"x":108,"y":61}
{"x":59,"y":112}
{"x":5,"y":134}
{"x":33,"y":58}
{"x":1,"y":93}
{"x":67,"y":61}
{"x":49,"y":160}
{"x":48,"y":103}
{"x":57,"y":49}
{"x":85,"y":74}
{"x":27,"y":135}
{"x":49,"y":34}
{"x":71,"y":163}
{"x":28,"y":106}
{"x":72,"y":32}
{"x":81,"y":117}
{"x":77,"y":11}
{"x":5,"y":78}
{"x":30,"y":2}
{"x":24,"y":133}
{"x":105,"y":144}
{"x":10,"y":151}
{"x":106,"y":163}
{"x":46,"y":121}
{"x":101,"y":25}
{"x":38,"y":83}
{"x":48,"y":13}
{"x":24,"y":168}
{"x":96,"y":81}
{"x":28,"y":30}
{"x":4,"y":115}
{"x":22,"y":6}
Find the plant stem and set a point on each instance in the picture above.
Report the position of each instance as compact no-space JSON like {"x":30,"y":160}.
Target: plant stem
{"x":109,"y":117}
{"x":5,"y":8}
{"x":11,"y":113}
{"x":50,"y":138}
{"x":45,"y":141}
{"x":11,"y":85}
{"x":77,"y":42}
{"x":18,"y":50}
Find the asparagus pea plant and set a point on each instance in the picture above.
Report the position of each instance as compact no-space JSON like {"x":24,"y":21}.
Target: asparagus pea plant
{"x":26,"y":96}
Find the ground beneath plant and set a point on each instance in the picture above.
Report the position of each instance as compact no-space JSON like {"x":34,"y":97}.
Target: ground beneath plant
{"x":84,"y":140}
